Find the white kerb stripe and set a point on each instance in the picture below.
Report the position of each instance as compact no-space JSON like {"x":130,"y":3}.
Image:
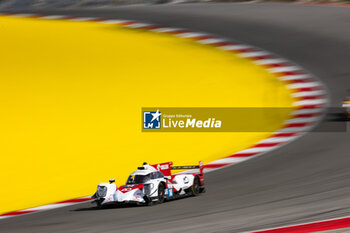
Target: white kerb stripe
{"x":301,"y":120}
{"x":254,"y":150}
{"x":303,"y":85}
{"x":229,"y":160}
{"x":278,"y":139}
{"x":294,"y":77}
{"x":115,"y":21}
{"x":283,"y":69}
{"x":211,"y":41}
{"x":166,"y":29}
{"x":235,"y":47}
{"x":309,"y":93}
{"x":253,"y":54}
{"x":310,"y":102}
{"x":53,"y":17}
{"x":270,"y":61}
{"x":83,"y":19}
{"x":138,"y":25}
{"x":23,"y":15}
{"x":191,"y":34}
{"x":295,"y":129}
{"x":51,"y":206}
{"x":307,"y":111}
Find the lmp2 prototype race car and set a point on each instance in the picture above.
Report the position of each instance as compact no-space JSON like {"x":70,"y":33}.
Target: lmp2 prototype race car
{"x":152,"y":184}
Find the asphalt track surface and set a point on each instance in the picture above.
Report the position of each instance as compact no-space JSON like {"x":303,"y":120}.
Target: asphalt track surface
{"x":307,"y":180}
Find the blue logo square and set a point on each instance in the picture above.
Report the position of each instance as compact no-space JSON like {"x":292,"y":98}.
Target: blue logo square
{"x":151,"y":120}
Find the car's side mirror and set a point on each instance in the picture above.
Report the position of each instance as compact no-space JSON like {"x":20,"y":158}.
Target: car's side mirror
{"x":111,"y":181}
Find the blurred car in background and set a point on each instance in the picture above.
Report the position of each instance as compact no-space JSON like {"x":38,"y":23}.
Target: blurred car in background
{"x":346,"y":106}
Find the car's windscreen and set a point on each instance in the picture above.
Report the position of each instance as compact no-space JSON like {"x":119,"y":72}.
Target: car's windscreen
{"x":138,"y":179}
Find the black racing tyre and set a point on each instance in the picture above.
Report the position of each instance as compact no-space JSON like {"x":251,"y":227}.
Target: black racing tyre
{"x":161,"y":193}
{"x":148,"y":201}
{"x":99,"y":205}
{"x":195,"y":189}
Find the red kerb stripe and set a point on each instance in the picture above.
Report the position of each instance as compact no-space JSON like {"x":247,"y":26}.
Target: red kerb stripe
{"x":298,"y":125}
{"x":218,"y":165}
{"x":244,"y":154}
{"x":307,"y":115}
{"x":311,"y":227}
{"x":19,"y":212}
{"x":74,"y":200}
{"x":283,"y":135}
{"x":267,"y":144}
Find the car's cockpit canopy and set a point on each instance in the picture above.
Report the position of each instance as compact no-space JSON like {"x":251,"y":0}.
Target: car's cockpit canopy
{"x":143,"y":178}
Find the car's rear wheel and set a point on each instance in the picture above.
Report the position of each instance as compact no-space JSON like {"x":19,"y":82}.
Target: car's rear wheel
{"x":161,"y":193}
{"x":195,"y":187}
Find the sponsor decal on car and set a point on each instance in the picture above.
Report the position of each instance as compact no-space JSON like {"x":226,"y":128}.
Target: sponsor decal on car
{"x":186,"y":181}
{"x":162,"y":167}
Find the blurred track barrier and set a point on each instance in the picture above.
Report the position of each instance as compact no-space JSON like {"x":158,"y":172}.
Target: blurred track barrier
{"x":71,"y":98}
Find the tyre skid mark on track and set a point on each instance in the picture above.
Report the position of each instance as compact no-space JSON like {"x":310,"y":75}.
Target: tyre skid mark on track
{"x":310,"y":97}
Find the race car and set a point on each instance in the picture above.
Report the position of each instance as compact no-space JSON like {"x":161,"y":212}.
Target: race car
{"x":152,"y":184}
{"x":346,"y":106}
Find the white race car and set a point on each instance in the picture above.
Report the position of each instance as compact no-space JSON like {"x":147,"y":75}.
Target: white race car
{"x":152,"y":183}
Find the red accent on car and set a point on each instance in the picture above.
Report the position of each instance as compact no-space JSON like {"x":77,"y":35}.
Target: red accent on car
{"x":164,"y":168}
{"x":128,"y":188}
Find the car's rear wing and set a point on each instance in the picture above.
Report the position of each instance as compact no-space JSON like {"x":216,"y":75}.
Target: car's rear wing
{"x":199,"y":166}
{"x":166,"y":168}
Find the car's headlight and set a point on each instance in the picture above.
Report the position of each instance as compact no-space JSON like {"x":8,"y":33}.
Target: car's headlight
{"x":101,"y":191}
{"x":147,"y":188}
